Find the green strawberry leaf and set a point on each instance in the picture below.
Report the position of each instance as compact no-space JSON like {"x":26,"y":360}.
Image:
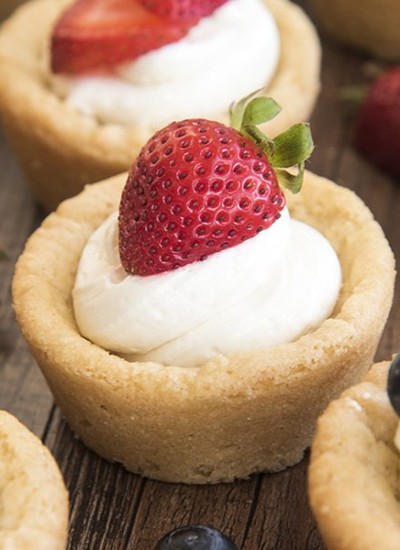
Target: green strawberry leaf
{"x":289,"y":149}
{"x":236,"y":111}
{"x":260,"y":110}
{"x":252,"y":110}
{"x":292,"y":182}
{"x":293,"y":146}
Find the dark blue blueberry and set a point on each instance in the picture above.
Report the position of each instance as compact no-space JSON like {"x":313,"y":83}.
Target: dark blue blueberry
{"x":195,"y":537}
{"x":393,"y":384}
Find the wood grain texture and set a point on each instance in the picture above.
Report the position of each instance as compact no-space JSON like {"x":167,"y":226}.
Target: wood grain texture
{"x":114,"y":510}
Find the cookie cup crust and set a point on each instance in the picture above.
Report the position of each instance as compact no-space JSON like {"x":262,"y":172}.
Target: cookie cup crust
{"x":354,"y":469}
{"x":372,"y":27}
{"x":61,"y":150}
{"x":33,"y":497}
{"x":233,"y":416}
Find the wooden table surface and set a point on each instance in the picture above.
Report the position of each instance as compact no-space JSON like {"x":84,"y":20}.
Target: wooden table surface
{"x":113,"y":509}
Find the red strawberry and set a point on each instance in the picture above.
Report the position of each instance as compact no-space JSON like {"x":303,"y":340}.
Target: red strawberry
{"x":199,"y":187}
{"x":96,"y":34}
{"x":183,"y":10}
{"x":377,"y":130}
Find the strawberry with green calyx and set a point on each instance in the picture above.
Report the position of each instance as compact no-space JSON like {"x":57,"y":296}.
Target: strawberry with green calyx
{"x":199,"y":187}
{"x":291,"y":148}
{"x":99,"y":34}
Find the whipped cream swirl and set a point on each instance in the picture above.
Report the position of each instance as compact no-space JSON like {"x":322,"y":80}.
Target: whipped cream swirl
{"x":224,"y":57}
{"x":268,"y":290}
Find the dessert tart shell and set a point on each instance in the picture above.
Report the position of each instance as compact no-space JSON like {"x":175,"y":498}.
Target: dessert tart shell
{"x":61,"y":150}
{"x":233,"y":416}
{"x":33,"y":497}
{"x":372,"y":26}
{"x":354,"y":471}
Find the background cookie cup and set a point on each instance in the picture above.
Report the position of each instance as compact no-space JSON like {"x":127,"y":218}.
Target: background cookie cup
{"x":60,"y":150}
{"x":354,"y":471}
{"x":34,"y":500}
{"x":240,"y":414}
{"x":372,"y":27}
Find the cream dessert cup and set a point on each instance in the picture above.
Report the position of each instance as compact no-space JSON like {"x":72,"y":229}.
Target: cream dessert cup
{"x":33,"y":497}
{"x":354,"y":471}
{"x":61,"y":150}
{"x":232,"y":416}
{"x":372,"y":26}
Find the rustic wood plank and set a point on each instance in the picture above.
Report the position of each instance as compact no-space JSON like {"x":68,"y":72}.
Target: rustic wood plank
{"x":23,"y":390}
{"x":282,"y":519}
{"x":166,"y":506}
{"x":104,"y":496}
{"x":8,"y":6}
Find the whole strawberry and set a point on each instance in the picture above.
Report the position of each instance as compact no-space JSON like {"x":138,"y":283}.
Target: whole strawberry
{"x":199,"y":187}
{"x":377,"y":130}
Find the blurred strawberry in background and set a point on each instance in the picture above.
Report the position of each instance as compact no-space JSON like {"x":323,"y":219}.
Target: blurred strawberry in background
{"x":377,"y":129}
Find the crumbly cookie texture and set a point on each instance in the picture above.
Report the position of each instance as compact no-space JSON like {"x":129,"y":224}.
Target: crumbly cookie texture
{"x":61,"y":150}
{"x":33,"y":497}
{"x":233,"y":416}
{"x":372,"y":27}
{"x":355,"y":467}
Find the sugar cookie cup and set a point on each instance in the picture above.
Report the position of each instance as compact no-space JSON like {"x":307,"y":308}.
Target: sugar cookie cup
{"x":34,"y":500}
{"x":354,"y":470}
{"x":239,"y":414}
{"x":61,"y":150}
{"x":372,"y":27}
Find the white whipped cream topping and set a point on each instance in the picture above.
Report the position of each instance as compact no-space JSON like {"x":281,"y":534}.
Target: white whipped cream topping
{"x":224,"y":57}
{"x":269,"y":290}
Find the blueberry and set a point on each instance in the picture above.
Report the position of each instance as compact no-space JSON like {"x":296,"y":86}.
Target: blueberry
{"x":195,"y":537}
{"x":393,"y":384}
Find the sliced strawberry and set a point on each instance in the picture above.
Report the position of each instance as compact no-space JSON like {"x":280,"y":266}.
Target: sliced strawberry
{"x":183,"y":10}
{"x":377,"y":130}
{"x":199,"y":187}
{"x":96,"y":34}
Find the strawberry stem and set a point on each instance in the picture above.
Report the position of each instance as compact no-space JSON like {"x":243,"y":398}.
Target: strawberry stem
{"x":289,"y":149}
{"x":354,"y":94}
